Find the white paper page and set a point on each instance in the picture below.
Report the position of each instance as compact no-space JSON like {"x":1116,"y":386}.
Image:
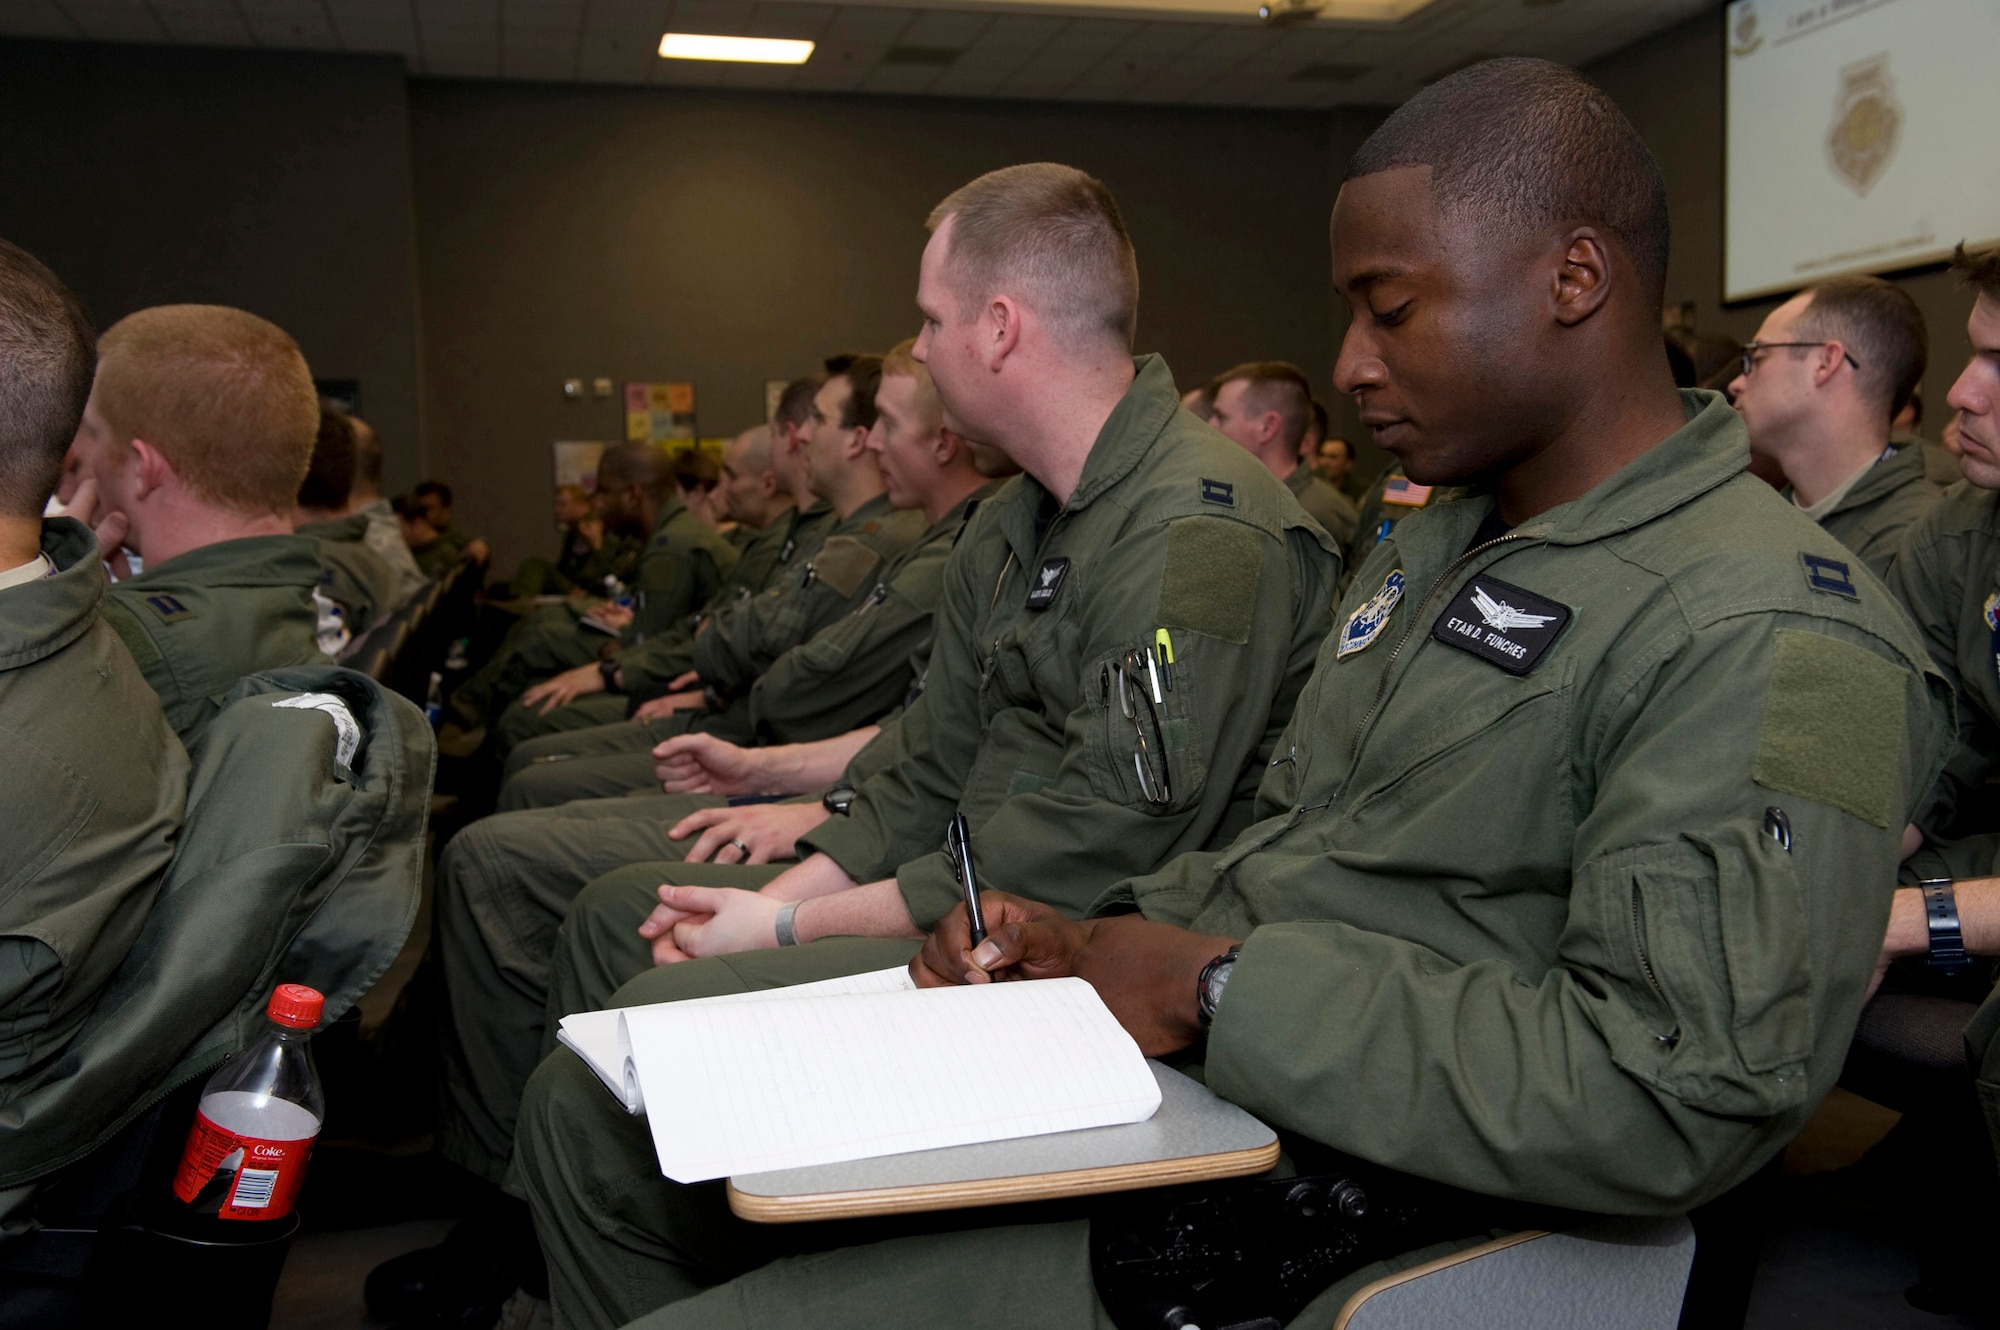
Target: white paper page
{"x":598,"y":1037}
{"x":751,"y":1087}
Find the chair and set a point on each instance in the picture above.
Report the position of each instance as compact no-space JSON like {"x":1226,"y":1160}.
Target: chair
{"x":1612,"y":1274}
{"x":300,"y":860}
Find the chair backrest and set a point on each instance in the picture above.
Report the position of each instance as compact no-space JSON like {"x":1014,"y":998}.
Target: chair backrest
{"x":1613,"y":1274}
{"x":300,"y":861}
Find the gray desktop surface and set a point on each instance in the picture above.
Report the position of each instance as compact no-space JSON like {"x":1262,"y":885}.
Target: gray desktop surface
{"x":1191,"y":1121}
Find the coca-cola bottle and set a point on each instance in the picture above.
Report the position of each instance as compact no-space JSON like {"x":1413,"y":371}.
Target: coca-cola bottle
{"x":259,"y":1116}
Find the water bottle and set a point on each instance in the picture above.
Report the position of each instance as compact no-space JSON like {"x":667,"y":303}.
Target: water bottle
{"x":434,"y":700}
{"x":456,"y":659}
{"x":259,"y":1116}
{"x":616,"y":591}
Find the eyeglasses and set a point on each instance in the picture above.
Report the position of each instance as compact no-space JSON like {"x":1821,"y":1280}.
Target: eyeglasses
{"x":1752,"y":349}
{"x":1149,"y":759}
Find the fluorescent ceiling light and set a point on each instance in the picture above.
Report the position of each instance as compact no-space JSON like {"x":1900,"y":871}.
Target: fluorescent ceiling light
{"x":757,"y":50}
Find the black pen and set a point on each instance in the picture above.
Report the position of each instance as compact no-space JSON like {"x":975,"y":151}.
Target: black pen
{"x":958,"y":839}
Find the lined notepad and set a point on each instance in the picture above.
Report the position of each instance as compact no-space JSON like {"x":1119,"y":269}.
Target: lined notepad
{"x":824,"y":1073}
{"x":600,"y":1039}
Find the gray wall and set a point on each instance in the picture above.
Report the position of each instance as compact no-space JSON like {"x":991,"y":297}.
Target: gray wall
{"x":273,"y":181}
{"x":1671,"y":87}
{"x":730,"y":238}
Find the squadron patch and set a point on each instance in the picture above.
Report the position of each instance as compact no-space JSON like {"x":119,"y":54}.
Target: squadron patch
{"x":1502,"y":623}
{"x":1048,"y":581}
{"x":1365,"y":624}
{"x":1990,"y":611}
{"x":1829,"y":575}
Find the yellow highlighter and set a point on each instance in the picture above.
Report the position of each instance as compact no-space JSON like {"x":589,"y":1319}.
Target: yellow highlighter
{"x":1165,"y":652}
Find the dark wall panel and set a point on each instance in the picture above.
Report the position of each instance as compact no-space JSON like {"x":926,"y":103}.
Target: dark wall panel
{"x":723,"y":238}
{"x":277,"y":182}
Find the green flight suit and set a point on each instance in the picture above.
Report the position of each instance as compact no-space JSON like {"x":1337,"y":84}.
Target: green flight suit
{"x":1511,"y":918}
{"x":685,"y":563}
{"x":648,"y":667}
{"x":863,"y":652}
{"x":443,"y":554}
{"x":1878,"y":508}
{"x":1947,"y":576}
{"x":198,"y":623}
{"x":95,"y":787}
{"x":384,"y":535}
{"x":1327,"y":505}
{"x":503,"y":886}
{"x":787,"y":544}
{"x":580,"y":566}
{"x":352,"y":575}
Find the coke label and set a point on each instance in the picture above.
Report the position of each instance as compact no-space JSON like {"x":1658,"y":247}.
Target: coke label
{"x":231,"y":1176}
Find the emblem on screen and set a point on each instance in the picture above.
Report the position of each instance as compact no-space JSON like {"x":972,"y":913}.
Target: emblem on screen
{"x":1867,"y":123}
{"x":1745,"y":38}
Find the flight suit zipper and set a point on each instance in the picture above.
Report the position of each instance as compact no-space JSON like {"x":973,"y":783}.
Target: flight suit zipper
{"x":1672,"y":1036}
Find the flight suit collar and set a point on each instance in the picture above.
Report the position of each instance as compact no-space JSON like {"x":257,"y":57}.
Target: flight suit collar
{"x":246,"y":561}
{"x":1129,"y":431}
{"x":1711,"y":449}
{"x":1883,"y":476}
{"x":349,"y":529}
{"x":40,"y":618}
{"x":669,"y":510}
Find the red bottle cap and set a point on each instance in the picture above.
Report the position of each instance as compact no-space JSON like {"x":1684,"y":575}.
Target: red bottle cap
{"x":295,"y":1005}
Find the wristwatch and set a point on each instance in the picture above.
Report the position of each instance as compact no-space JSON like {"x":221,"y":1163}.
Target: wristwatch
{"x":838,"y":799}
{"x":1208,"y":988}
{"x":608,"y":670}
{"x":1941,"y":917}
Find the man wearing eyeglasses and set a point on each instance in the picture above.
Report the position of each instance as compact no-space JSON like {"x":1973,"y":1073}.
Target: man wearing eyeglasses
{"x":1820,"y":388}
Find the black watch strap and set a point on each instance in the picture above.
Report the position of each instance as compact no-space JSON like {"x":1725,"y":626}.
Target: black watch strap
{"x":607,"y":669}
{"x":1941,"y":918}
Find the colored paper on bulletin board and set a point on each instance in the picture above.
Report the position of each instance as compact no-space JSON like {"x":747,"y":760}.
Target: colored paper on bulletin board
{"x":659,"y":413}
{"x":576,"y":464}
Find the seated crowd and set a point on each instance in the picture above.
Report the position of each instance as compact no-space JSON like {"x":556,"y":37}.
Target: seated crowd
{"x":1536,"y":817}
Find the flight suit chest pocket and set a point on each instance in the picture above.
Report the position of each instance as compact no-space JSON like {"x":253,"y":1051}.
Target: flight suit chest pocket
{"x":1489,"y":755}
{"x":1145,"y":746}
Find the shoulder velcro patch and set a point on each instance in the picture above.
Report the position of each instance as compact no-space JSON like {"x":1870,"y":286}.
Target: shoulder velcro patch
{"x":168,"y":607}
{"x":845,"y":564}
{"x":1833,"y":725}
{"x":1829,"y":575}
{"x":1209,"y":584}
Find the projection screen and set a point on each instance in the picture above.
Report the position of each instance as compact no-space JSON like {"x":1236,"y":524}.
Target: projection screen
{"x":1857,"y":137}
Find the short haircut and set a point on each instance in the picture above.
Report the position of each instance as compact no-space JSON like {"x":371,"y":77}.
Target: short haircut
{"x":756,"y":449}
{"x":1051,"y":236}
{"x":903,"y":363}
{"x":1880,"y":326}
{"x":1528,"y":145}
{"x":1979,"y":269}
{"x":1276,"y":385}
{"x":795,"y":404}
{"x":1915,"y":403}
{"x":331,"y":474}
{"x":46,"y":360}
{"x":410,"y":508}
{"x":426,"y":488}
{"x":367,"y":456}
{"x":694,"y":468}
{"x":864,"y":376}
{"x":1204,"y":399}
{"x":632,"y":463}
{"x":1316,"y":431}
{"x":224,"y":395}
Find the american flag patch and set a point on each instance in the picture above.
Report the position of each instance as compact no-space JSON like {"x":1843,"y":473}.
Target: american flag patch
{"x":1401,"y":491}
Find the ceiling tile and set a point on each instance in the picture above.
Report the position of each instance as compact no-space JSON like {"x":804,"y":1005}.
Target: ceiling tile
{"x":116,"y":20}
{"x":37,"y":18}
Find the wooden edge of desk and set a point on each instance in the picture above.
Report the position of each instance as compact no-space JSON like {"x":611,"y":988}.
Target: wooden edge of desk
{"x":1000,"y":1191}
{"x":1388,"y":1282}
